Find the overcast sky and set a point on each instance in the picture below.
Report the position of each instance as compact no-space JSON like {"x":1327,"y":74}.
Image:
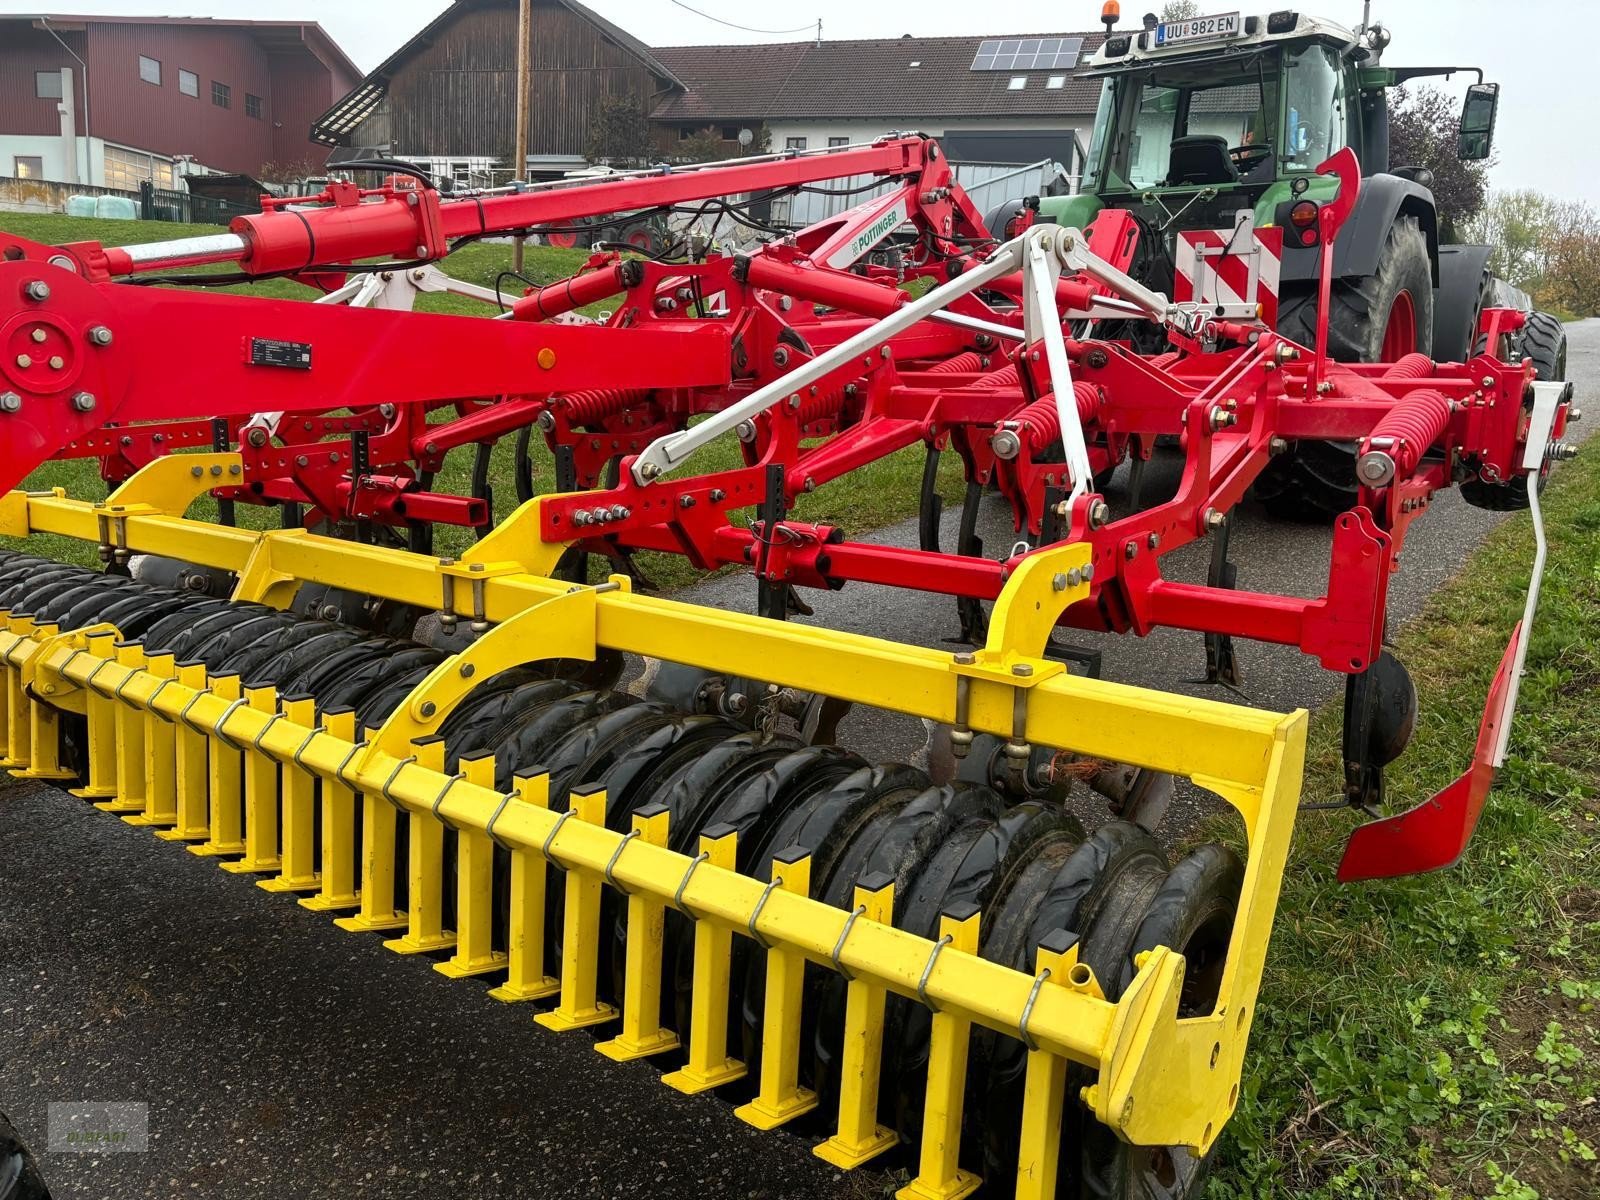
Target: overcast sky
{"x":1540,"y":51}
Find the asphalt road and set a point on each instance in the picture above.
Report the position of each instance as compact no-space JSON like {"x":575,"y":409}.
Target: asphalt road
{"x":280,"y":1056}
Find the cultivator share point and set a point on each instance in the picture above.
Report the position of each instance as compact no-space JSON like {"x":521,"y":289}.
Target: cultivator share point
{"x":855,"y":949}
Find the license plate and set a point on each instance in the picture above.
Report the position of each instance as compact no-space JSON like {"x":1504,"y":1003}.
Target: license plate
{"x":1198,"y":29}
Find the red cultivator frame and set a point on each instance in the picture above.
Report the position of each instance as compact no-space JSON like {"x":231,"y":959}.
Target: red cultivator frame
{"x":812,"y":353}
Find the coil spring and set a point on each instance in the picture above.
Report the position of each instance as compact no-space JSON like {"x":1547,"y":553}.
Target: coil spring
{"x":1413,"y":424}
{"x":818,"y":407}
{"x":970,"y":360}
{"x":587,"y":408}
{"x":1412,"y":366}
{"x":1042,"y":423}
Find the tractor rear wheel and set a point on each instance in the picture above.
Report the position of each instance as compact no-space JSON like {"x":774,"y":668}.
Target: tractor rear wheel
{"x":19,"y":1173}
{"x":1375,"y":318}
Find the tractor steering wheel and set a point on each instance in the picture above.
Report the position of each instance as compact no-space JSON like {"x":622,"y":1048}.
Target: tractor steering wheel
{"x":1247,"y":158}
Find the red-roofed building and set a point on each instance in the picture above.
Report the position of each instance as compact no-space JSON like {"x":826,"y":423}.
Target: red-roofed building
{"x":115,"y":101}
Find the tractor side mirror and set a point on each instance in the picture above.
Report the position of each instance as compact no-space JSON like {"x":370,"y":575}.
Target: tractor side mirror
{"x":1477,"y":122}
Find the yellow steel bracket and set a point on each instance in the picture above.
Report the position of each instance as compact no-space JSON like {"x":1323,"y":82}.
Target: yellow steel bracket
{"x":260,"y":579}
{"x":171,"y":484}
{"x":1043,"y":586}
{"x":518,"y":539}
{"x":42,"y":671}
{"x":14,"y":511}
{"x":561,"y":627}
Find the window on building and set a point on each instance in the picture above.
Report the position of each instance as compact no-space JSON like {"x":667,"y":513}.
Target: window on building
{"x":126,"y":169}
{"x":730,"y":133}
{"x":685,"y":133}
{"x":47,"y":85}
{"x":150,"y":70}
{"x":838,"y":141}
{"x":221,"y":94}
{"x":30,"y":167}
{"x":1017,"y":83}
{"x":1056,"y":82}
{"x":188,"y":83}
{"x":252,"y":106}
{"x":794,"y":143}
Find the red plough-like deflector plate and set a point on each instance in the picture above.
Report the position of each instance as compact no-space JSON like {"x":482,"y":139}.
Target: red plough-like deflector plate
{"x":1433,"y":835}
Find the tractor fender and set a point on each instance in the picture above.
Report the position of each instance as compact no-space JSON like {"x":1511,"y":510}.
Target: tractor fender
{"x":1382,"y":199}
{"x":1463,"y":279}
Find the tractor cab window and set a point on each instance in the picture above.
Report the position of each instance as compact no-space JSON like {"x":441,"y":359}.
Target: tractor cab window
{"x":1186,"y":124}
{"x":1314,"y":108}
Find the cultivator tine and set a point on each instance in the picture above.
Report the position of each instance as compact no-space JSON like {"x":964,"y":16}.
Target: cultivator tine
{"x":781,"y":1098}
{"x":260,"y":791}
{"x":939,"y":1175}
{"x":224,"y":778}
{"x":337,"y":876}
{"x":579,"y":1006}
{"x":425,"y":929}
{"x":859,"y":1137}
{"x":709,"y":1064}
{"x":100,"y":713}
{"x":191,"y":822}
{"x":525,"y":974}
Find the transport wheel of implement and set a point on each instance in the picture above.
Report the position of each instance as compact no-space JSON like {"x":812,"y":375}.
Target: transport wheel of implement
{"x":1375,"y":318}
{"x":1544,"y":343}
{"x":19,"y":1172}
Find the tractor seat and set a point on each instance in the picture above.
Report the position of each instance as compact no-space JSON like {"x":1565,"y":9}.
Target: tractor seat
{"x":1200,"y":158}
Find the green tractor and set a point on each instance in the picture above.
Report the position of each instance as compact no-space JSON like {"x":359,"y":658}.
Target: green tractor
{"x":1203,"y":118}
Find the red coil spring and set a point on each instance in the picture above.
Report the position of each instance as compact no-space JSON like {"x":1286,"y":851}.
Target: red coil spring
{"x":1414,"y":423}
{"x":1413,"y":366}
{"x":586,"y":408}
{"x":816,"y":408}
{"x":971,"y":360}
{"x":1040,"y":422}
{"x":1006,"y":376}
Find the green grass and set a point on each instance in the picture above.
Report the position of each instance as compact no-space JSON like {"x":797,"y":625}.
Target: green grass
{"x":1436,"y":1037}
{"x":883,"y":492}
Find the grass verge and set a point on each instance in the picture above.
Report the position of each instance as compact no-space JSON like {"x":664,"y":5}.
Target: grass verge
{"x":881,"y":493}
{"x":1436,"y":1037}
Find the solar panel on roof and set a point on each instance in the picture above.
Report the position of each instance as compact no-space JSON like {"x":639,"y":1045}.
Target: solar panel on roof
{"x":1027,"y":54}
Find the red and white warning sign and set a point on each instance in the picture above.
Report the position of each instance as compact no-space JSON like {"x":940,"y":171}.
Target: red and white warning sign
{"x":1231,"y":266}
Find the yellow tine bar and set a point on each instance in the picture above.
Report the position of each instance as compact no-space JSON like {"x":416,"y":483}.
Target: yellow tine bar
{"x":781,"y":1098}
{"x":260,"y":795}
{"x":44,"y":733}
{"x":160,"y":753}
{"x":425,"y":929}
{"x":101,"y":715}
{"x":860,"y":1137}
{"x":6,"y":672}
{"x":475,"y":953}
{"x":299,"y":869}
{"x":939,"y":1177}
{"x":525,"y":975}
{"x":338,"y":827}
{"x":224,"y":782}
{"x":580,"y":936}
{"x":642,"y":1034}
{"x":1044,"y":1094}
{"x":377,"y":912}
{"x":130,"y":736}
{"x":17,"y":704}
{"x":192,"y":770}
{"x":709,"y":1064}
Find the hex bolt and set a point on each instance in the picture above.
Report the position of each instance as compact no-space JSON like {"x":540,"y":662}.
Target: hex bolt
{"x":718,"y":495}
{"x":619,"y":512}
{"x":685,"y":501}
{"x":24,"y":361}
{"x":83,"y":402}
{"x":965,"y":658}
{"x":386,"y":411}
{"x":780,"y":357}
{"x":1277,"y":446}
{"x":37,"y":290}
{"x":428,"y":709}
{"x":10,"y":402}
{"x":1131,"y":551}
{"x":810,"y":484}
{"x":1213,"y":519}
{"x":196,"y":472}
{"x":1153,"y":540}
{"x":1022,"y":670}
{"x":1574,"y":415}
{"x":582,"y":517}
{"x":302,"y":461}
{"x":1088,"y":572}
{"x":1059,"y":582}
{"x":746,"y":431}
{"x":100,"y":335}
{"x":649,"y":470}
{"x":57,"y":362}
{"x":601,"y":515}
{"x":468,"y":670}
{"x":329,"y":612}
{"x":1563,"y":452}
{"x":257,"y":437}
{"x":1006,"y":444}
{"x":38,"y":334}
{"x":1099,"y":514}
{"x":546,"y":420}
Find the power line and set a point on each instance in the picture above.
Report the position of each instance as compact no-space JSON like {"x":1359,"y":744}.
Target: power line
{"x":745,"y":28}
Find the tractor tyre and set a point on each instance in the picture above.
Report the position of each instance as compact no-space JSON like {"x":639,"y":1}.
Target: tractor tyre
{"x":1544,"y":343}
{"x":19,"y":1172}
{"x":1376,"y":318}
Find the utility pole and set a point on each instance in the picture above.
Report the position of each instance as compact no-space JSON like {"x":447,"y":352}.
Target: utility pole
{"x":524,"y":104}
